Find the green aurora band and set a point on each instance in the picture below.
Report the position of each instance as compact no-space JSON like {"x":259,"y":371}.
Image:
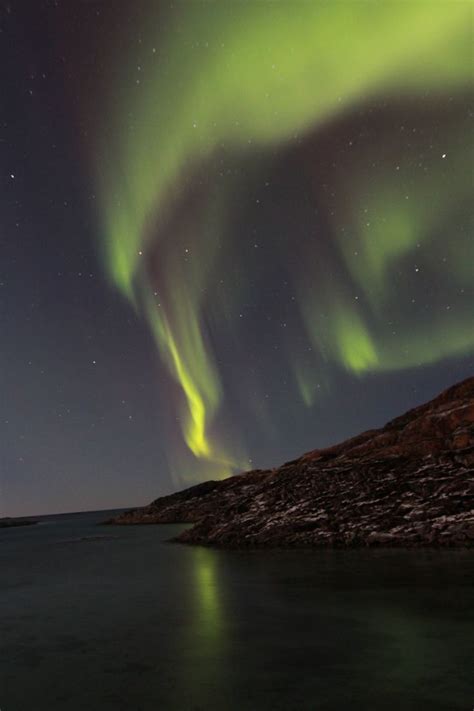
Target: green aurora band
{"x":261,"y":73}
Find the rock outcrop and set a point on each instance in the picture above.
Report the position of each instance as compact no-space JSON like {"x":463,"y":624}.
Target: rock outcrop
{"x":409,"y":483}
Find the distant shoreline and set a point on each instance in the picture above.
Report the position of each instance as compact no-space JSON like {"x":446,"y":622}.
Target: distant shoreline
{"x":15,"y":522}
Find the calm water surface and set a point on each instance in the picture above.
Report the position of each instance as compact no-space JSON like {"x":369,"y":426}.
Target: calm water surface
{"x":111,"y":618}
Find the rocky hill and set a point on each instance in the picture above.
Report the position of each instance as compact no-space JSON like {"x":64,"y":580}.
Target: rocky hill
{"x":409,"y":483}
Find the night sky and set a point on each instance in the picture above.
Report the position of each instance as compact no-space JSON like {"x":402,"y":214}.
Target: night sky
{"x":230,"y":233}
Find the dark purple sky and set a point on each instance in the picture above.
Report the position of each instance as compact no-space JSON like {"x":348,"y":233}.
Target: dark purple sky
{"x":86,"y":406}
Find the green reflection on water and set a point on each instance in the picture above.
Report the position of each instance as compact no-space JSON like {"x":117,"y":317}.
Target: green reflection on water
{"x":206,"y":648}
{"x":209,"y":613}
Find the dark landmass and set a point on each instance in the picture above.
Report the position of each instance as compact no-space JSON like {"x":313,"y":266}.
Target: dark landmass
{"x":410,"y":483}
{"x":13,"y":522}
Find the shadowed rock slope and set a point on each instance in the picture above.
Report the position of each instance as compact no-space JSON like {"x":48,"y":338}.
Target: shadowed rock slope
{"x":409,"y":483}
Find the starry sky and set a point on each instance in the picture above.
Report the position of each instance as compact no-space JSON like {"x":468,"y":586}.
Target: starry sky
{"x":230,"y":233}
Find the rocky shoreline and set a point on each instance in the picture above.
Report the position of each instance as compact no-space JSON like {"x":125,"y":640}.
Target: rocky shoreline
{"x":410,"y":483}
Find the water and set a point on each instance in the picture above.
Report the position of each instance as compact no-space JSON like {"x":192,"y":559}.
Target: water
{"x":113,"y":618}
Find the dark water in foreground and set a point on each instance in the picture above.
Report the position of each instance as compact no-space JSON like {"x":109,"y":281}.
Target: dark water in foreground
{"x":115,"y":618}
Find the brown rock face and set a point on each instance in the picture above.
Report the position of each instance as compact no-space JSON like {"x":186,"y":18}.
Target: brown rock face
{"x":409,"y":483}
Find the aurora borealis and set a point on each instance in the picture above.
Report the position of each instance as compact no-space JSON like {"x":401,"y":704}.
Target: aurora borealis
{"x":235,"y":85}
{"x":248,"y":231}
